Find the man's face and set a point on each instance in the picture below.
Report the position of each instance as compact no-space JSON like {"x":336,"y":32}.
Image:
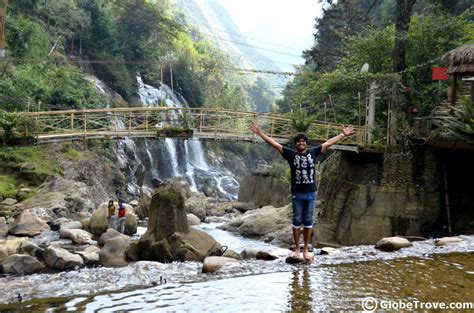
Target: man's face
{"x":301,"y":145}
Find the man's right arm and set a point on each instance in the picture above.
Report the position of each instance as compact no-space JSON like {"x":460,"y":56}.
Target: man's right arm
{"x":256,"y":129}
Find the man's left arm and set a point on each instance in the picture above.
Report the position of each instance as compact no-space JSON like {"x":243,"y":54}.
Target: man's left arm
{"x":346,"y":131}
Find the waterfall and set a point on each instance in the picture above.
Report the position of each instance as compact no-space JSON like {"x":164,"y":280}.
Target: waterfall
{"x":147,"y":159}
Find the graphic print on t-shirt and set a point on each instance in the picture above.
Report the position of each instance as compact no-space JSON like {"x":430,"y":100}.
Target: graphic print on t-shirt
{"x":303,"y":165}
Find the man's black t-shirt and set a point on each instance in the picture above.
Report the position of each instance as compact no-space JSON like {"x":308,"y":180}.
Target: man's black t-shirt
{"x":302,"y":168}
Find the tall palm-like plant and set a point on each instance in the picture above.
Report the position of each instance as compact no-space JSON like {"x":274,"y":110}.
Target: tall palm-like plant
{"x":459,"y":125}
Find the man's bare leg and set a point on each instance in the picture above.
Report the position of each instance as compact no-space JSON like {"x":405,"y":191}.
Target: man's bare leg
{"x":307,"y":239}
{"x":296,"y":237}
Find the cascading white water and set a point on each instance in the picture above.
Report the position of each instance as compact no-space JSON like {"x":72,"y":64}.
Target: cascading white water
{"x":168,"y":158}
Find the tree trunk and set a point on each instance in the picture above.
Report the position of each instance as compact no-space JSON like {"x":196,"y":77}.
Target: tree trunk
{"x":402,"y":22}
{"x":403,"y":12}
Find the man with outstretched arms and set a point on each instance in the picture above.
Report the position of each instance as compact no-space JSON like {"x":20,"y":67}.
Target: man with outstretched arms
{"x":303,"y":185}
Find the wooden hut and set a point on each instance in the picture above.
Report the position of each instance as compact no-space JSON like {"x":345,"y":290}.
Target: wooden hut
{"x":461,"y":66}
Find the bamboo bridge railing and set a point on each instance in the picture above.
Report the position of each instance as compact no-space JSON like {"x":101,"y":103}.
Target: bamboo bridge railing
{"x":215,"y":123}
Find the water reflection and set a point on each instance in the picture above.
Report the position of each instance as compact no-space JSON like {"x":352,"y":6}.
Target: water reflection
{"x":300,"y":294}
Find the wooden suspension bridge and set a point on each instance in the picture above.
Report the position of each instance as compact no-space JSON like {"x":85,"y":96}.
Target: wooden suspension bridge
{"x":153,"y":122}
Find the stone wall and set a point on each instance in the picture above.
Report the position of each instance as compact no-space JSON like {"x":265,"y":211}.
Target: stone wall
{"x":263,"y":189}
{"x":367,"y":196}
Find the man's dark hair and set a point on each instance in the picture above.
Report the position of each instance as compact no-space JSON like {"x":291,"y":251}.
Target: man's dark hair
{"x":300,"y":136}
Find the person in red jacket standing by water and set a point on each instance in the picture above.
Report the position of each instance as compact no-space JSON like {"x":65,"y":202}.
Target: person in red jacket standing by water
{"x":121,"y":217}
{"x":303,"y":183}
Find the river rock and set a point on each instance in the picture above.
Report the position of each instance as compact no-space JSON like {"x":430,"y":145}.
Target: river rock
{"x":30,"y":248}
{"x":61,"y":259}
{"x":329,"y":251}
{"x":262,"y":255}
{"x":144,"y":202}
{"x":13,"y":245}
{"x":168,"y":236}
{"x":90,"y":255}
{"x":281,"y":252}
{"x":9,"y":201}
{"x":78,"y":236}
{"x":213,"y":263}
{"x":266,"y":222}
{"x":113,"y":253}
{"x":229,"y":253}
{"x":193,"y":220}
{"x":109,"y":234}
{"x":389,"y":244}
{"x":294,"y":260}
{"x":21,"y":264}
{"x":3,"y":227}
{"x":28,"y":224}
{"x":3,"y":254}
{"x":86,"y":224}
{"x":447,"y":240}
{"x":197,"y":205}
{"x":71,"y":225}
{"x":99,"y":222}
{"x":248,"y":253}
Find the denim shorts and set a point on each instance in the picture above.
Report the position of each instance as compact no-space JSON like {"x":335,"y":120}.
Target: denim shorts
{"x":303,"y":209}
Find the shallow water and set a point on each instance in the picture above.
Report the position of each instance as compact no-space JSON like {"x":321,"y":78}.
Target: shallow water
{"x":336,"y":282}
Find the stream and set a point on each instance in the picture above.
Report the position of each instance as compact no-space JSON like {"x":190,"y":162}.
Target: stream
{"x":340,"y":281}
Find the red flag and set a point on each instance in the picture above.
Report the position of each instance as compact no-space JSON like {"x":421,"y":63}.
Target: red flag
{"x":439,"y":73}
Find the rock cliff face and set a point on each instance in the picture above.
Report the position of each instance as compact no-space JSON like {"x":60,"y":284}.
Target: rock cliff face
{"x":86,"y":182}
{"x":264,"y":189}
{"x":367,"y":196}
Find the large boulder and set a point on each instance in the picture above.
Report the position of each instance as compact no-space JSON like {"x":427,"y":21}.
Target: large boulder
{"x":113,"y":253}
{"x":61,"y":259}
{"x":109,"y":234}
{"x":267,"y":223}
{"x":21,"y":264}
{"x":99,"y":222}
{"x":28,"y":224}
{"x":389,"y":244}
{"x":168,"y":236}
{"x":199,"y":206}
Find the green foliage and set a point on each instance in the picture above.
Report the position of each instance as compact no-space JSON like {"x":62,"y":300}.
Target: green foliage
{"x":300,"y":120}
{"x":27,"y":165}
{"x":62,"y":86}
{"x":282,"y":171}
{"x":27,"y":39}
{"x":8,"y":187}
{"x":63,"y":15}
{"x":73,"y":154}
{"x":70,"y":88}
{"x":260,"y":97}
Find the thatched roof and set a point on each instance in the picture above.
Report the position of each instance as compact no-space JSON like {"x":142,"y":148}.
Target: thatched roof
{"x":461,"y":60}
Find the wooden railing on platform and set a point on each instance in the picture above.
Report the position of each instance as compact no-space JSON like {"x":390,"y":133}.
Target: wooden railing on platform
{"x":213,"y":123}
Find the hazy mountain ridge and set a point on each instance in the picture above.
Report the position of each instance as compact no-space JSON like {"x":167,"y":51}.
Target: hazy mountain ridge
{"x":216,"y":23}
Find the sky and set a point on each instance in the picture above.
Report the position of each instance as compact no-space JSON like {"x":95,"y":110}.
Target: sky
{"x":281,"y":25}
